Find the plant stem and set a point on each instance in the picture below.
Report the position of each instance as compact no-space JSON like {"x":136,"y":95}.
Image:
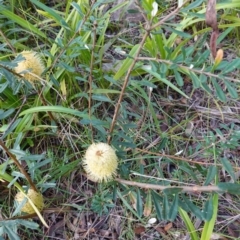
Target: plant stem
{"x":195,"y":188}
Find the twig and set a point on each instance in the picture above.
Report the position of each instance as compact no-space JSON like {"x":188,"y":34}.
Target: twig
{"x":195,"y":188}
{"x":22,"y":170}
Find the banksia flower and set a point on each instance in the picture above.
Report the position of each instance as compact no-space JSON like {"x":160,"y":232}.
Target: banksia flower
{"x":31,"y":64}
{"x":100,"y":162}
{"x":35,"y":197}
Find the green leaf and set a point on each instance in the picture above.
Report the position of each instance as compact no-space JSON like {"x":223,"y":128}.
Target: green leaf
{"x":77,"y":8}
{"x":51,"y":13}
{"x":126,"y":204}
{"x":174,"y":209}
{"x":157,"y":205}
{"x":175,"y":190}
{"x":139,"y":204}
{"x":4,"y":115}
{"x":126,"y":63}
{"x":104,"y":91}
{"x":165,"y":207}
{"x":178,"y":78}
{"x":210,"y":175}
{"x":208,"y":209}
{"x":167,"y":82}
{"x":101,"y":98}
{"x":179,"y":33}
{"x":231,"y":66}
{"x":22,"y":22}
{"x":12,"y":127}
{"x":188,"y":222}
{"x":11,"y":234}
{"x":232,"y":90}
{"x":233,"y":188}
{"x":228,"y":167}
{"x":221,"y":95}
{"x":193,"y":208}
{"x":194,"y":78}
{"x":58,"y":109}
{"x":209,"y":225}
{"x":192,"y":5}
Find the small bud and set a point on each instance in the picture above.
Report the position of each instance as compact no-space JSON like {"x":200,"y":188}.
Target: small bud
{"x":218,"y":57}
{"x":155,"y":9}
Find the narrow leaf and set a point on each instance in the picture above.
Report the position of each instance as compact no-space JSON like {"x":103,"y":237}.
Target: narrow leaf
{"x":126,"y":63}
{"x":209,"y":225}
{"x":139,"y":204}
{"x":219,"y":91}
{"x":178,"y":78}
{"x":167,"y":82}
{"x":173,"y":209}
{"x":211,"y":174}
{"x":194,"y":209}
{"x":148,"y":205}
{"x":195,"y":80}
{"x":58,"y":109}
{"x":22,"y":22}
{"x":232,"y":90}
{"x":165,"y":207}
{"x":208,"y":209}
{"x":188,"y":222}
{"x":233,"y":188}
{"x":157,"y":205}
{"x":228,"y":167}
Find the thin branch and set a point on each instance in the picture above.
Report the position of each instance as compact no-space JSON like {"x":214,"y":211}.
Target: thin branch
{"x":195,"y":188}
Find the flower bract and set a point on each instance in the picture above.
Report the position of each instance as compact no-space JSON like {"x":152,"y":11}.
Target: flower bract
{"x":35,"y":197}
{"x":100,"y":162}
{"x":30,"y":66}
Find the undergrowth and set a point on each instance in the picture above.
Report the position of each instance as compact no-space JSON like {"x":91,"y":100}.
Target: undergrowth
{"x":150,"y":88}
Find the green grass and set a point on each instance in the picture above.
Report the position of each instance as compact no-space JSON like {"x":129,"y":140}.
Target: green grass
{"x":168,"y":110}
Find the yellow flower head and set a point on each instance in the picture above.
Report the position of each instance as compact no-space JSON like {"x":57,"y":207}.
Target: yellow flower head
{"x":100,"y":162}
{"x":31,"y":64}
{"x":36,"y":198}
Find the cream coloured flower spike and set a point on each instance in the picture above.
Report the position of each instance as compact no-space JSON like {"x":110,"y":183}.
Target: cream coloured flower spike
{"x":100,"y":162}
{"x":35,"y":197}
{"x":31,"y":64}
